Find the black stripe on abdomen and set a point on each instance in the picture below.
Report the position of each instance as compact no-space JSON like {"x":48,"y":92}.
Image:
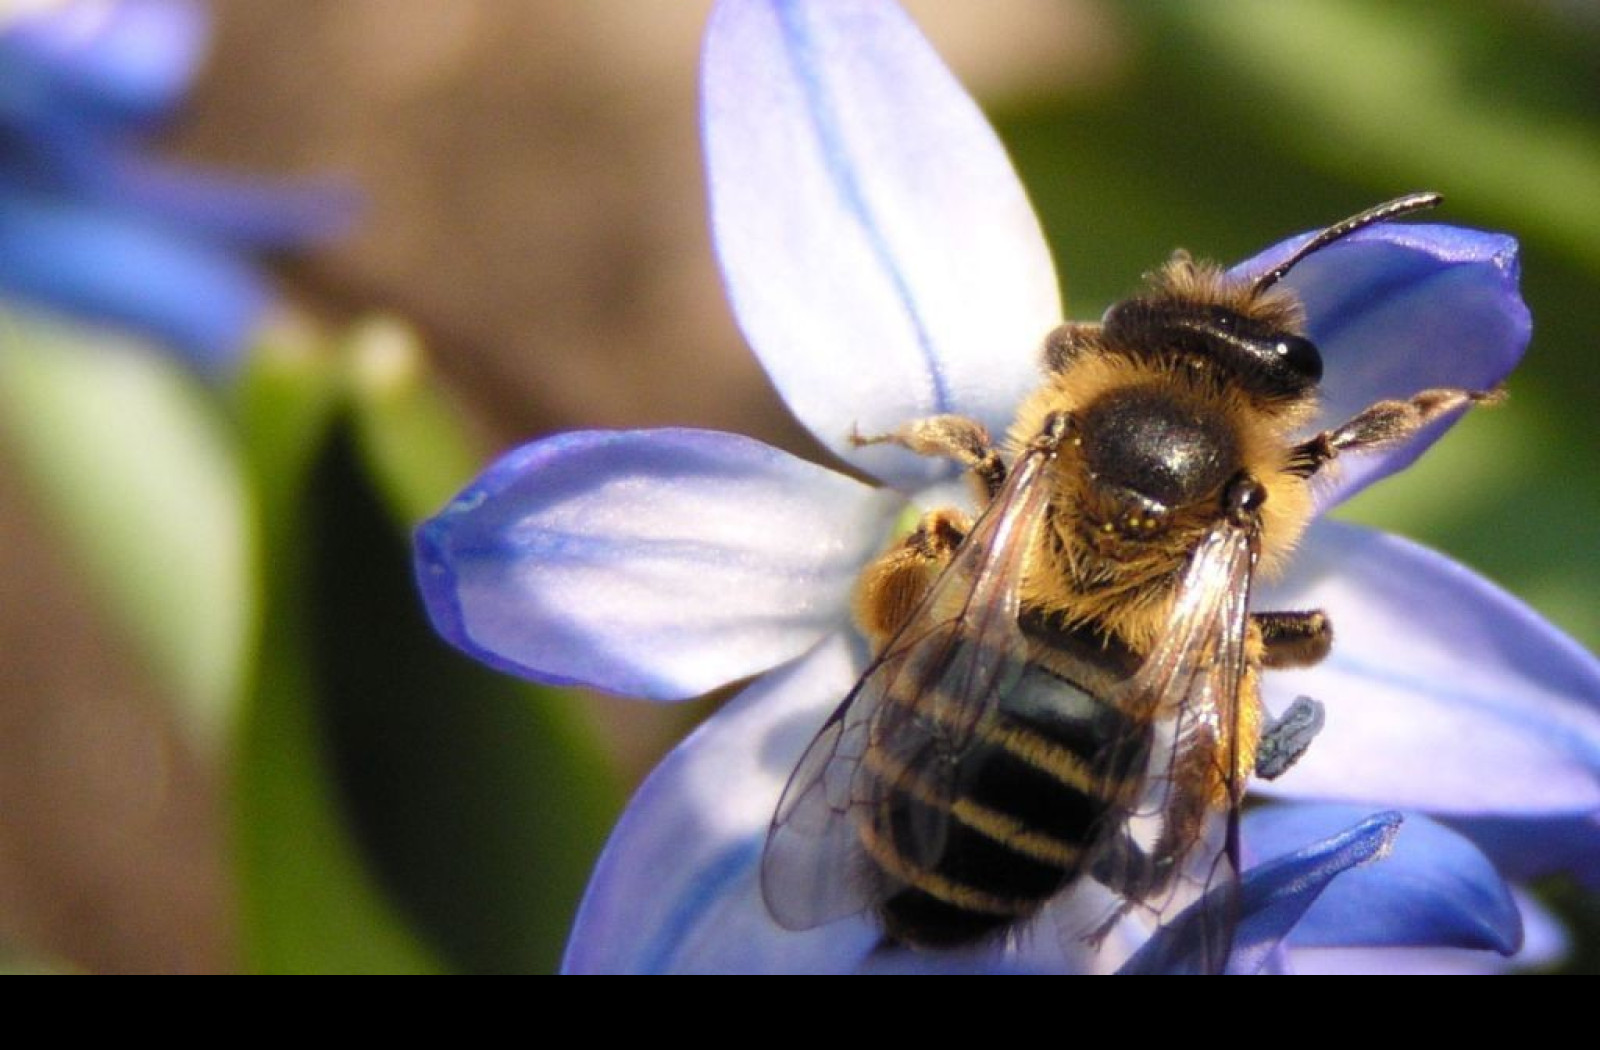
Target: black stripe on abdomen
{"x":978,"y":845}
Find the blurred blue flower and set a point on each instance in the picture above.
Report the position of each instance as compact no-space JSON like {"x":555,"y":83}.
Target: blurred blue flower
{"x":885,"y":265}
{"x":92,"y":227}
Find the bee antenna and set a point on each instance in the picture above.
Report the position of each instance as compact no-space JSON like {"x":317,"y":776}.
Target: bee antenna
{"x":1379,"y":213}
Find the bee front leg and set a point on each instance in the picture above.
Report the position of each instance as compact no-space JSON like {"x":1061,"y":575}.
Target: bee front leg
{"x":960,"y":438}
{"x":1385,"y":423}
{"x":893,"y":586}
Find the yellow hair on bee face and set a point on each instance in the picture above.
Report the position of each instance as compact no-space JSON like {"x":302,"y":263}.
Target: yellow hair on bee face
{"x":1265,"y":437}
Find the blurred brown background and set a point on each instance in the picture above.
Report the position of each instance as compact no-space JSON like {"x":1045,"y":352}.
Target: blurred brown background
{"x":537,"y":209}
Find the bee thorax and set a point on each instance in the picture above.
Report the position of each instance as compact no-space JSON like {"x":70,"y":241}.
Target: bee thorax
{"x":1146,"y":451}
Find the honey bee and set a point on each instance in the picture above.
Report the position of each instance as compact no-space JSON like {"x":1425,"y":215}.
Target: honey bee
{"x":1065,"y":691}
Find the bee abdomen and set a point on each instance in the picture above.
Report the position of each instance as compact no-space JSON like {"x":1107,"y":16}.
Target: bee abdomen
{"x":974,"y":848}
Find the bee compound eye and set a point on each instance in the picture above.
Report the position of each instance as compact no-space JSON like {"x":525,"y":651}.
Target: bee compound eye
{"x":1299,"y":355}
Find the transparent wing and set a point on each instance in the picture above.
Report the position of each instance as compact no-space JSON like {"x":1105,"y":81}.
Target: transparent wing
{"x":1179,"y":846}
{"x":908,"y":718}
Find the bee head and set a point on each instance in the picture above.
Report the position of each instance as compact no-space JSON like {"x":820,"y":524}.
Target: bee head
{"x":1249,"y":333}
{"x":1260,"y":352}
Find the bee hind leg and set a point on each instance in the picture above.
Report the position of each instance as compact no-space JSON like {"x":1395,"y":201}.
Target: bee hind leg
{"x":892,"y":587}
{"x":1385,"y":423}
{"x":960,"y":438}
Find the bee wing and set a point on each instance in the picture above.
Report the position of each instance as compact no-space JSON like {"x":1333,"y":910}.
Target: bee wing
{"x":914,"y":709}
{"x":1184,"y":820}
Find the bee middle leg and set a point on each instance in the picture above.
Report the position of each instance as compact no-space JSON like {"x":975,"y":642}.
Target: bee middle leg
{"x":1290,"y":639}
{"x":960,"y":438}
{"x":1293,"y":639}
{"x":1385,"y":423}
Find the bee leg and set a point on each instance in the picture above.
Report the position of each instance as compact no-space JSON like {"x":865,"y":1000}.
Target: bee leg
{"x":1069,"y":342}
{"x":1293,"y":639}
{"x":892,"y":587}
{"x":1124,"y":867}
{"x":1130,"y":871}
{"x":1285,"y":739}
{"x":960,"y":438}
{"x":1384,"y":423}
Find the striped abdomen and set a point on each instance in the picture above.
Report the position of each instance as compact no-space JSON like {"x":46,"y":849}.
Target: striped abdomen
{"x":972,"y":843}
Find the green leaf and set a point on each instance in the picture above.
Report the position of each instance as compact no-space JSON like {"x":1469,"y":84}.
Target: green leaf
{"x":309,"y":902}
{"x":401,"y":808}
{"x":481,"y":800}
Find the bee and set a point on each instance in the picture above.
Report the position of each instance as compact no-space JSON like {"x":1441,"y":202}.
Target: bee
{"x":1065,"y":691}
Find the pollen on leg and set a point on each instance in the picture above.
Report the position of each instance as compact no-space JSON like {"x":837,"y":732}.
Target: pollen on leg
{"x":892,"y":587}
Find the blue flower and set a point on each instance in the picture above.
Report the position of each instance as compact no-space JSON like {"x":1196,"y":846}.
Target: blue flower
{"x":92,"y":228}
{"x":885,"y":265}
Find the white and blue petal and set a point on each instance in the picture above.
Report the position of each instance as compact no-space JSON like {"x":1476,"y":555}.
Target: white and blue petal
{"x":1273,"y":897}
{"x":1443,"y":693}
{"x":656,"y":563}
{"x":1396,"y":309}
{"x":879,"y":252}
{"x":1431,"y":887}
{"x":676,"y":889}
{"x":1527,"y":847}
{"x":1544,"y":943}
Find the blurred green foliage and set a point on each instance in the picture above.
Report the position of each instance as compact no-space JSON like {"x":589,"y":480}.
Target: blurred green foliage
{"x":393,"y":806}
{"x":398,"y":808}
